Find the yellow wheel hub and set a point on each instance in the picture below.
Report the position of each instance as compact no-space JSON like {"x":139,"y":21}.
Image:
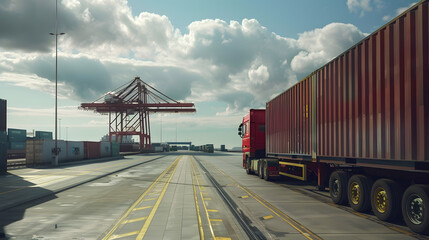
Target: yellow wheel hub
{"x":380,"y":199}
{"x":355,"y":193}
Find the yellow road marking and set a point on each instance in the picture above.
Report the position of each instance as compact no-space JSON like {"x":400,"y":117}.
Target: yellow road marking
{"x":222,"y":238}
{"x":293,"y":223}
{"x":141,"y":208}
{"x":124,"y":235}
{"x":359,"y":214}
{"x":244,"y":196}
{"x":215,"y":220}
{"x":212,"y":210}
{"x":197,"y":206}
{"x":205,"y":193}
{"x":149,"y":199}
{"x":401,"y":231}
{"x":268,"y":217}
{"x":155,"y":207}
{"x":134,"y":220}
{"x":208,"y":199}
{"x":204,"y":204}
{"x":138,"y":201}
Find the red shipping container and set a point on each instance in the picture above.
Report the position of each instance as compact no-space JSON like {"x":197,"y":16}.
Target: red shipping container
{"x":371,"y":100}
{"x":91,"y":150}
{"x":288,"y":122}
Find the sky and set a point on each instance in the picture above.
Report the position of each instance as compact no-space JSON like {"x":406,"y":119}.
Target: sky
{"x":224,"y":56}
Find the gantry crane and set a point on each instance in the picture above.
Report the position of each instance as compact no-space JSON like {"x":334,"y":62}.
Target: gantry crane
{"x":129,"y":106}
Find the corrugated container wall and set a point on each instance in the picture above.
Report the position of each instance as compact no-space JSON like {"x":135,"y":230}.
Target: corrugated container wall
{"x":43,"y":135}
{"x":16,"y":145}
{"x":115,"y":149}
{"x":16,"y":135}
{"x":39,"y":152}
{"x":3,"y":115}
{"x":105,"y":149}
{"x":74,"y":151}
{"x":372,"y":101}
{"x":91,"y":150}
{"x":288,"y":121}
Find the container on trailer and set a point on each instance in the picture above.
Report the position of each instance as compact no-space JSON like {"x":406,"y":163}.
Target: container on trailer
{"x":75,"y":150}
{"x":115,"y":149}
{"x":372,"y":101}
{"x":91,"y":150}
{"x":43,"y":135}
{"x":105,"y":149}
{"x":40,"y":152}
{"x":288,"y":122}
{"x":16,"y":135}
{"x":3,"y":115}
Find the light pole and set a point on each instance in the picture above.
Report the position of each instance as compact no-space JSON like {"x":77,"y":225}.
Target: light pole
{"x":56,"y":81}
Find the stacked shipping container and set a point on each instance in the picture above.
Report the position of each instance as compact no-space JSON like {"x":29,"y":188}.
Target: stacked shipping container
{"x":39,"y":152}
{"x":16,"y":138}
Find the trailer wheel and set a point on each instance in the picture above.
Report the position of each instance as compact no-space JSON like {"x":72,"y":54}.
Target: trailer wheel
{"x":266,"y":173}
{"x":338,"y":187}
{"x":359,"y":193}
{"x":415,"y":208}
{"x":386,"y":199}
{"x":261,"y":169}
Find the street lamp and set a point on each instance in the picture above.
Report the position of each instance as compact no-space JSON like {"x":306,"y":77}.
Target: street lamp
{"x":56,"y":152}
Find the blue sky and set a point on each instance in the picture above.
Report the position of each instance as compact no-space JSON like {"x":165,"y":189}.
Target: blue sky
{"x":225,"y":56}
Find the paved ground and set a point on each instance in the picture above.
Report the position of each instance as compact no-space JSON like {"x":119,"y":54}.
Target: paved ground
{"x":169,"y":196}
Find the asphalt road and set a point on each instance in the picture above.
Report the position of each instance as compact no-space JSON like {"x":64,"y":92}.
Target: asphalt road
{"x":170,"y":196}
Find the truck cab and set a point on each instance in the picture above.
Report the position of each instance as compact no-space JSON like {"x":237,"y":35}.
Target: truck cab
{"x":252,"y":131}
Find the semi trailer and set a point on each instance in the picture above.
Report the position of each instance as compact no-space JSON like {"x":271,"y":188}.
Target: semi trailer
{"x":359,"y":125}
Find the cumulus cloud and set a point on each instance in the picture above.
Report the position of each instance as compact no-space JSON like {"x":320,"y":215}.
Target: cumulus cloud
{"x":241,"y":64}
{"x":361,"y":6}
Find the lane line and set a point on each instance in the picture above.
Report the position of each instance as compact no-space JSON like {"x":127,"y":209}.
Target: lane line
{"x":204,"y":204}
{"x":155,"y":207}
{"x":124,"y":235}
{"x":197,"y":206}
{"x":135,"y":220}
{"x":141,"y":208}
{"x":109,"y":234}
{"x":215,"y":220}
{"x":149,"y":199}
{"x":293,"y":223}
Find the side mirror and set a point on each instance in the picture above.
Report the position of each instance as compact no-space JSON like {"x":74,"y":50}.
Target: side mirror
{"x":240,"y":131}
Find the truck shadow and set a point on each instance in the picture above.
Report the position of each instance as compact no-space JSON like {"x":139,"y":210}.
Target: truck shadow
{"x":16,"y":196}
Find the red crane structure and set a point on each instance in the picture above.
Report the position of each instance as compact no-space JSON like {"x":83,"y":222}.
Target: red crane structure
{"x":129,"y":107}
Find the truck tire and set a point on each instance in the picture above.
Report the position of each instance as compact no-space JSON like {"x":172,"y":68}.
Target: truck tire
{"x":248,"y":166}
{"x":415,"y":208}
{"x":261,"y":169}
{"x":386,"y":199}
{"x":359,"y":193}
{"x":338,"y":187}
{"x":266,"y":173}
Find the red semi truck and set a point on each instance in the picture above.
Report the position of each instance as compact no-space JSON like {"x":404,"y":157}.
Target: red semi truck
{"x":359,"y":125}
